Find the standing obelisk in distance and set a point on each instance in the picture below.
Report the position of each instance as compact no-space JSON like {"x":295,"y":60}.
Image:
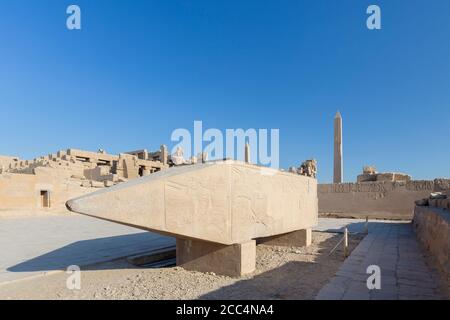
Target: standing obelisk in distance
{"x":338,"y":169}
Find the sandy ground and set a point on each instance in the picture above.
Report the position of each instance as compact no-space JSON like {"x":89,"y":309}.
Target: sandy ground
{"x":281,"y":273}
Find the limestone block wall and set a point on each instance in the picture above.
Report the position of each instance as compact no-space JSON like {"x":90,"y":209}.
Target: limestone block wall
{"x":97,"y":166}
{"x":6,"y":162}
{"x":26,"y":191}
{"x":377,"y":200}
{"x":18,"y":191}
{"x":432,"y":226}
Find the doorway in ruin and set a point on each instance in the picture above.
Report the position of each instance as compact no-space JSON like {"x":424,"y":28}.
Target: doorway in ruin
{"x":45,"y":199}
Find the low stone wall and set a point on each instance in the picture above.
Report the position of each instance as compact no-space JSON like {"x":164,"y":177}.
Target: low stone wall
{"x":377,"y":200}
{"x":432,"y":226}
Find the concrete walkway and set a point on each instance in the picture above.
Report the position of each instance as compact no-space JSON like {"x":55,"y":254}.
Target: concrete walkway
{"x":32,"y":246}
{"x":393,"y":247}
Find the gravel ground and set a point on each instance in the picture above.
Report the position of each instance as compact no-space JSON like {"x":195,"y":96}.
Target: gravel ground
{"x":281,"y":273}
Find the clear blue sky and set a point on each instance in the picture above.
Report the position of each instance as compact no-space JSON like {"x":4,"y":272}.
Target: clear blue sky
{"x":140,"y":69}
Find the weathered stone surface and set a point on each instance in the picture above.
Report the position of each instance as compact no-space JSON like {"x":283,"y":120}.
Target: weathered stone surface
{"x":108,"y":183}
{"x":225,"y":202}
{"x":65,"y":174}
{"x":432,"y":226}
{"x":308,"y":168}
{"x":96,"y":184}
{"x":85,"y":184}
{"x":370,"y":175}
{"x":422,"y":202}
{"x":299,"y":238}
{"x":230,"y":260}
{"x":7,"y":162}
{"x":46,"y":189}
{"x":381,"y":200}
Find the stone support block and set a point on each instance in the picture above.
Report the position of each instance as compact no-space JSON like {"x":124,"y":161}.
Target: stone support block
{"x":230,"y":260}
{"x":299,"y":238}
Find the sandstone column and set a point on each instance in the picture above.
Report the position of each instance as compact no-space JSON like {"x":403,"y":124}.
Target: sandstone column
{"x":338,"y":168}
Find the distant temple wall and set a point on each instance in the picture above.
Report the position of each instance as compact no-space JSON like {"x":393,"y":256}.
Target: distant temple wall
{"x":47,"y":189}
{"x":377,"y":200}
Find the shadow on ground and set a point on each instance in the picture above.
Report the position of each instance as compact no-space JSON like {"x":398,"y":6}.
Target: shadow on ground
{"x":292,"y":280}
{"x":289,"y":280}
{"x":88,"y":252}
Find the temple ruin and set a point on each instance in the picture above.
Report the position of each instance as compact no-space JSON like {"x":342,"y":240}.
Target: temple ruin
{"x":218,"y":211}
{"x":49,"y":181}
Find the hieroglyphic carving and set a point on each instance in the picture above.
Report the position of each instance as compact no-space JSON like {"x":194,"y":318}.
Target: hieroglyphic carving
{"x":420,"y":185}
{"x":386,"y":186}
{"x":356,"y":187}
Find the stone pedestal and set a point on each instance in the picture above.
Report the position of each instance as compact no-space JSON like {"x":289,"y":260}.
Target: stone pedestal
{"x":230,"y":260}
{"x":299,"y":238}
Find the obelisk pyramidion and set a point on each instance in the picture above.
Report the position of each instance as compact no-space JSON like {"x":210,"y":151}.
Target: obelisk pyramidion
{"x":338,"y":169}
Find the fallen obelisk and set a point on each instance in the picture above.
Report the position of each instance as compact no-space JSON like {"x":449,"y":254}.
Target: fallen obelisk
{"x":216,"y":211}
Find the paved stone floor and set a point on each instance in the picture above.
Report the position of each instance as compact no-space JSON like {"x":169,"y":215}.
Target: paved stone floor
{"x":393,"y":247}
{"x":337,"y":225}
{"x":32,"y":246}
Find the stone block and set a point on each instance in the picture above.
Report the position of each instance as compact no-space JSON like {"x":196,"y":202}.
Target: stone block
{"x":422,"y":202}
{"x":299,"y":238}
{"x":86,"y":183}
{"x":97,"y":184}
{"x":108,"y":183}
{"x":225,"y":202}
{"x":231,"y":260}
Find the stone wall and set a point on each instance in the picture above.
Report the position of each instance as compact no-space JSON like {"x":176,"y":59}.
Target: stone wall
{"x":97,"y":166}
{"x":6,"y":162}
{"x":377,"y":200}
{"x":29,"y":191}
{"x":49,"y":181}
{"x":432,"y":226}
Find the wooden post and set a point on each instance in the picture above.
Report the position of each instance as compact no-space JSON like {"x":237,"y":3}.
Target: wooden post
{"x":345,"y":242}
{"x":366,"y":228}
